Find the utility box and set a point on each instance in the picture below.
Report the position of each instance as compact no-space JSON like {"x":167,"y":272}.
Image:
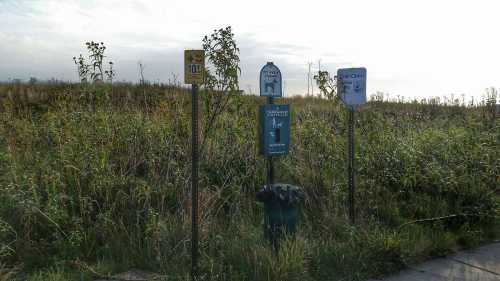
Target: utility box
{"x":274,"y":129}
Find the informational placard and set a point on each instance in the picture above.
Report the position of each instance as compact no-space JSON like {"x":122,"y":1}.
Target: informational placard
{"x":351,"y":84}
{"x":194,"y":66}
{"x":274,"y":124}
{"x":270,"y":81}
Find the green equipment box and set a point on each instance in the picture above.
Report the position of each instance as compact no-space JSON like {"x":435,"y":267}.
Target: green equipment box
{"x":274,"y":129}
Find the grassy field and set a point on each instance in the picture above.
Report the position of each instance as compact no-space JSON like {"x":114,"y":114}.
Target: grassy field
{"x":94,"y":180}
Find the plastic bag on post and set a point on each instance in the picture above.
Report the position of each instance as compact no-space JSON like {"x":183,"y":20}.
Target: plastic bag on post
{"x":286,"y":194}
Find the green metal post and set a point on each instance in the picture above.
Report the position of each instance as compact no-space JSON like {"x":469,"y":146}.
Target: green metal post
{"x":194,"y":183}
{"x":350,"y":165}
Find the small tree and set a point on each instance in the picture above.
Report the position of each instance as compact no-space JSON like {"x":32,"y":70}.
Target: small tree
{"x":95,"y":67}
{"x":222,"y":54}
{"x":143,"y":83}
{"x":82,"y":67}
{"x":221,"y":75}
{"x":96,"y":55}
{"x":110,"y":73}
{"x":327,"y":85}
{"x":491,"y":104}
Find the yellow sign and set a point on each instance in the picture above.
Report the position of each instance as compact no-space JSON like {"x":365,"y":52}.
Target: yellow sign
{"x":194,"y":66}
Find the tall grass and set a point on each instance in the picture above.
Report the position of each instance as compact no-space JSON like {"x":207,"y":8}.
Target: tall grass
{"x":100,"y":175}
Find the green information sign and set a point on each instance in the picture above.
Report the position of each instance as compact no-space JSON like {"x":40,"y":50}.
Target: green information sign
{"x":274,"y":121}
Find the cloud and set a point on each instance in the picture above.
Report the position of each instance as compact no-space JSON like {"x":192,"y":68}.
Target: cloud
{"x":423,"y":48}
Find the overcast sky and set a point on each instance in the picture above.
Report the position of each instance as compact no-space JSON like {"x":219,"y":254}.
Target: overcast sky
{"x":414,"y":48}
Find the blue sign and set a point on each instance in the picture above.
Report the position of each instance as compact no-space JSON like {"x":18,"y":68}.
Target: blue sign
{"x":351,"y":84}
{"x":274,"y":129}
{"x":270,"y":81}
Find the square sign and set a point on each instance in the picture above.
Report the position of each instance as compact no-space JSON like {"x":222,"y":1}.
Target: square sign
{"x":352,"y":85}
{"x":194,"y":66}
{"x":270,"y":81}
{"x":274,"y":121}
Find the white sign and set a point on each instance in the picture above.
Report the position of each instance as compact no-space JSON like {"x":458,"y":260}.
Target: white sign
{"x":351,"y":84}
{"x":270,"y":81}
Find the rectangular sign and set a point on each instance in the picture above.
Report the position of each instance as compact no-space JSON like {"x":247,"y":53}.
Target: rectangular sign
{"x":351,"y":84}
{"x":270,"y":81}
{"x":274,"y":121}
{"x":194,"y":66}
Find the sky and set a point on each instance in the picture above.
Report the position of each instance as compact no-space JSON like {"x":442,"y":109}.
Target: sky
{"x":415,"y":49}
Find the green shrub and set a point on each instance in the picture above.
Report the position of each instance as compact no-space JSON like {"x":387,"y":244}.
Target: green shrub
{"x":100,"y":174}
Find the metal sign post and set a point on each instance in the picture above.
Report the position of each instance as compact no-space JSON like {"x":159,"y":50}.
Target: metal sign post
{"x":274,"y":140}
{"x":351,"y":84}
{"x":194,"y":65}
{"x":194,"y":182}
{"x":270,"y":87}
{"x":270,"y":173}
{"x":350,"y":164}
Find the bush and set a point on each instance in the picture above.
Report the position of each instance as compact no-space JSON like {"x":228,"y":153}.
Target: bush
{"x":94,"y":175}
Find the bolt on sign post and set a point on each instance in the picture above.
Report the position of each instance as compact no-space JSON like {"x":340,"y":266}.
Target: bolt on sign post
{"x":274,"y":119}
{"x":351,"y":85}
{"x":194,"y":67}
